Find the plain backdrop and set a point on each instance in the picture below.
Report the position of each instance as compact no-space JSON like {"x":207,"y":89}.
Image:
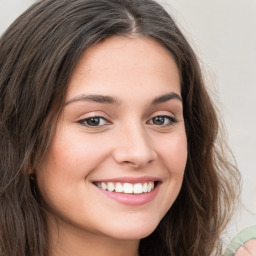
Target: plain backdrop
{"x":223,"y":34}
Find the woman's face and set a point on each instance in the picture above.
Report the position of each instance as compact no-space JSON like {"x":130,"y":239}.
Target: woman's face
{"x":116,"y":162}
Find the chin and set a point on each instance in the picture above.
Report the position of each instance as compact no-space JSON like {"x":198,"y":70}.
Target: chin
{"x":133,"y":232}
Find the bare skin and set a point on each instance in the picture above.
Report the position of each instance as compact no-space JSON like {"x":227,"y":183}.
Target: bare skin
{"x":122,"y":123}
{"x":248,"y":249}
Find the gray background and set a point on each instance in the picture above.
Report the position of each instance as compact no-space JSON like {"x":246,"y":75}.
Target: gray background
{"x":223,"y":33}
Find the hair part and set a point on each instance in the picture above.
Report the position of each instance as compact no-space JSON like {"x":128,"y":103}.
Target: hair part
{"x":38,"y":54}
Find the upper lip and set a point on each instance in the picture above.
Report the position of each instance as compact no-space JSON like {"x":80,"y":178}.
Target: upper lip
{"x":132,"y":180}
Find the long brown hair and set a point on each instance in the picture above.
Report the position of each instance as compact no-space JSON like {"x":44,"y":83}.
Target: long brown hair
{"x":38,"y":54}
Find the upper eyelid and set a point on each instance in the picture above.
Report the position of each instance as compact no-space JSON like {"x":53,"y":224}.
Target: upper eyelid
{"x":162,"y":113}
{"x":147,"y":116}
{"x":92,"y":114}
{"x":106,"y":117}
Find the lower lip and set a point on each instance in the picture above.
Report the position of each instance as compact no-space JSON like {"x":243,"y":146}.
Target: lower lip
{"x":131,"y":199}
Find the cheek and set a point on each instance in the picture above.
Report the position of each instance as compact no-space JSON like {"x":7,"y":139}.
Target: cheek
{"x":173,"y":152}
{"x":74,"y":155}
{"x":62,"y":178}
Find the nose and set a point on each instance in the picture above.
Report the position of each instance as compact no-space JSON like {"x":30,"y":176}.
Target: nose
{"x":133,"y":147}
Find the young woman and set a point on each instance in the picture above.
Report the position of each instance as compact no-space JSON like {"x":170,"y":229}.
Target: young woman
{"x":110,"y":143}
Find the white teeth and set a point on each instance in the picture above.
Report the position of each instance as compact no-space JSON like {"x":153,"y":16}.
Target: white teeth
{"x":150,"y":186}
{"x":119,"y":187}
{"x":145,"y":187}
{"x":104,"y":186}
{"x":127,"y":188}
{"x":137,"y":188}
{"x":111,"y":186}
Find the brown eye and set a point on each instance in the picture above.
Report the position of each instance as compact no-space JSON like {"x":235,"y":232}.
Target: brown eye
{"x":94,"y":121}
{"x":158,"y":120}
{"x":163,"y":120}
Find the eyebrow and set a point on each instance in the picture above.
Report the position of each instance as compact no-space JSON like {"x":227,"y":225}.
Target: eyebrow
{"x":104,"y":99}
{"x":95,"y":98}
{"x":166,"y":97}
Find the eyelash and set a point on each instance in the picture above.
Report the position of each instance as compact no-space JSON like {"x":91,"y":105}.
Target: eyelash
{"x":171,"y":120}
{"x":85,"y":121}
{"x":99,"y":119}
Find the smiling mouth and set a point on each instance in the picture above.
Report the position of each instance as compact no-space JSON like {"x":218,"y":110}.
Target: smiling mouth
{"x":127,"y":188}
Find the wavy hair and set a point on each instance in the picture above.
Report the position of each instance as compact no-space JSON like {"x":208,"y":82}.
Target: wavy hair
{"x":38,"y":54}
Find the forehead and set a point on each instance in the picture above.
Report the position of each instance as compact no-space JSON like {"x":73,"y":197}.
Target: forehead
{"x":122,"y":63}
